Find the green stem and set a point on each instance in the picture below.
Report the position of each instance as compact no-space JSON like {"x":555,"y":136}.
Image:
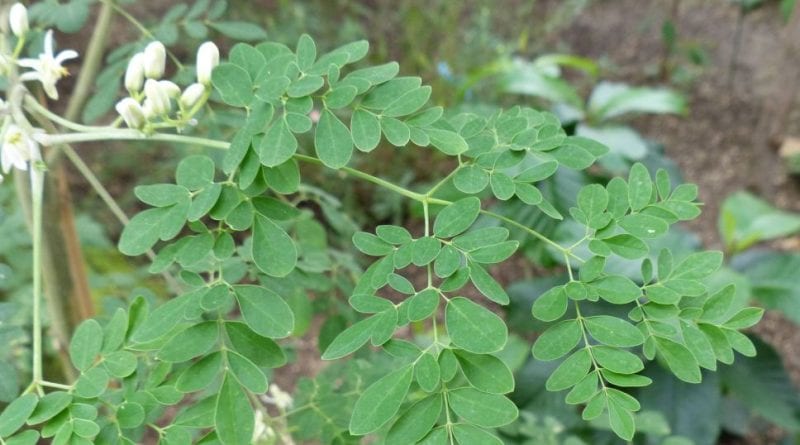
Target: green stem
{"x":37,"y":190}
{"x":126,"y":134}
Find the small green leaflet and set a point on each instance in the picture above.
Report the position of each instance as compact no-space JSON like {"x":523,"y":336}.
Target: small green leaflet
{"x":264,"y":311}
{"x":233,"y":414}
{"x":457,"y":217}
{"x":380,"y":402}
{"x":333,"y":141}
{"x":416,"y":422}
{"x":86,"y":344}
{"x":274,"y":252}
{"x":474,"y":328}
{"x":482,"y":409}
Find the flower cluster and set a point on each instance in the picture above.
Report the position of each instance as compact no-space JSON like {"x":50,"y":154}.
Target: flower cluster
{"x":17,"y":146}
{"x":152,"y":98}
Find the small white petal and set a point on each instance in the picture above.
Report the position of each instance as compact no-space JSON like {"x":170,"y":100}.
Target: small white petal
{"x":66,"y":55}
{"x":158,"y":96}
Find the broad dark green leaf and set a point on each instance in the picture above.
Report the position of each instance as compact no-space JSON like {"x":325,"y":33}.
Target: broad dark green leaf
{"x":233,"y":83}
{"x":551,"y":305}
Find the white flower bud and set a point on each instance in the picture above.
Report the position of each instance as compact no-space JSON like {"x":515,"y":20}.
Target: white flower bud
{"x":134,"y":75}
{"x":207,"y":60}
{"x":147,"y":109}
{"x":192,"y":94}
{"x":158,"y":95}
{"x":131,"y":112}
{"x":155,"y":58}
{"x":18,"y":19}
{"x":172,"y":90}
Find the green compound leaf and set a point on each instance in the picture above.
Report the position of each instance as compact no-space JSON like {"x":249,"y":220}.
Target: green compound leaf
{"x":457,"y":217}
{"x":380,"y":402}
{"x":16,"y":413}
{"x":613,"y":331}
{"x":333,"y":141}
{"x":473,"y":327}
{"x":486,"y":372}
{"x":86,"y":344}
{"x":416,"y":422}
{"x":264,"y":311}
{"x":274,"y":251}
{"x":233,"y":415}
{"x":482,"y":409}
{"x":558,"y":340}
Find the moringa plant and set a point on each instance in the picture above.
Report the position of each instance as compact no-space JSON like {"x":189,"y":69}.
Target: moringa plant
{"x":232,"y":235}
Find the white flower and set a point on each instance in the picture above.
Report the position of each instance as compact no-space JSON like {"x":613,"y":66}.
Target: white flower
{"x":47,"y":68}
{"x":131,"y":112}
{"x":207,"y":60}
{"x":155,"y":58}
{"x":192,"y":94}
{"x":158,"y":96}
{"x":18,"y":19}
{"x":18,"y":149}
{"x":280,"y":398}
{"x":134,"y":74}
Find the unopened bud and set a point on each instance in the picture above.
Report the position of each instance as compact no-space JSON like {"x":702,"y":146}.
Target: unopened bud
{"x":192,"y":94}
{"x":155,"y":58}
{"x":18,"y":19}
{"x":172,"y":90}
{"x":134,"y":75}
{"x":207,"y":60}
{"x":158,"y":95}
{"x":131,"y":112}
